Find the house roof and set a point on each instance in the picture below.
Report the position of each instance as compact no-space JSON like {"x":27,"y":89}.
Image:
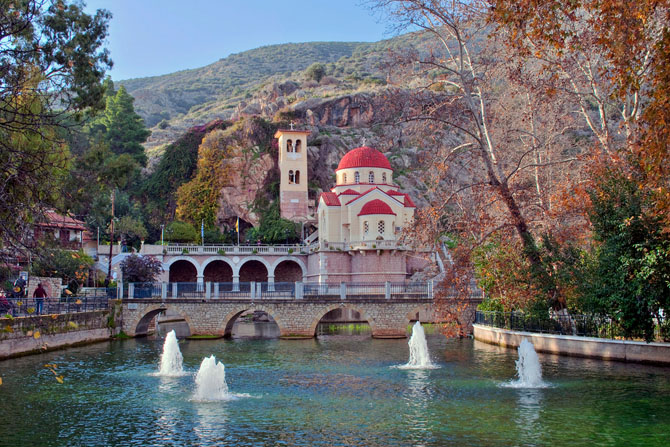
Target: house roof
{"x":330,"y":199}
{"x":55,"y":220}
{"x":375,"y":206}
{"x":364,"y":157}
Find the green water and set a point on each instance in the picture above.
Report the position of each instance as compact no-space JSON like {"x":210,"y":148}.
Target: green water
{"x":334,"y":390}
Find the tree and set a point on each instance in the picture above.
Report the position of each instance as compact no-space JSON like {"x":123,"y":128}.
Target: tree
{"x":51,"y":65}
{"x":72,"y":267}
{"x":140,"y":268}
{"x":181,"y":232}
{"x":316,"y":71}
{"x":131,"y":230}
{"x":123,"y":129}
{"x":496,"y":141}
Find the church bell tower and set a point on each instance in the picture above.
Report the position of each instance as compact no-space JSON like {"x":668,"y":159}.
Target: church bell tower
{"x":293,"y":168}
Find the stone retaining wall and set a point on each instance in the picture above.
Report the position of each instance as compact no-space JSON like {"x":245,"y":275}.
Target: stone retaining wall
{"x":40,"y":333}
{"x":599,"y":348}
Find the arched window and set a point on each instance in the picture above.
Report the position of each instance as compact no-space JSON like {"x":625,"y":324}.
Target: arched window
{"x":289,"y":145}
{"x":366,"y":228}
{"x":357,"y":177}
{"x":297,"y":177}
{"x":380,"y":227}
{"x":371,"y":177}
{"x":291,"y":178}
{"x":297,"y":145}
{"x":344,"y":179}
{"x":384,"y":177}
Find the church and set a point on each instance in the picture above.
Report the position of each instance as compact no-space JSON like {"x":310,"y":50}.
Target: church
{"x":360,"y":220}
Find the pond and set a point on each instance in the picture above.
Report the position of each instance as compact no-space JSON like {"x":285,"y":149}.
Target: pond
{"x":333,"y":390}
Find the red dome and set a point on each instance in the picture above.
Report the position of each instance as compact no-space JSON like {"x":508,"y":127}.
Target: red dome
{"x":375,"y":207}
{"x":364,"y":157}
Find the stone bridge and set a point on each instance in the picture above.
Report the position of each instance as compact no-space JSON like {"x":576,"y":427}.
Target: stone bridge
{"x":296,"y":318}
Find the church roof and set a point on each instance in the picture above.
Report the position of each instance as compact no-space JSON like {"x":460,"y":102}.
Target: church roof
{"x":364,"y":157}
{"x":349,"y":192}
{"x":409,"y":203}
{"x":393,"y":192}
{"x":330,"y":199}
{"x":375,"y":207}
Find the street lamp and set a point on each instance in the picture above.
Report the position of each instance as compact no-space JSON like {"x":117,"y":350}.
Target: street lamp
{"x":162,"y":232}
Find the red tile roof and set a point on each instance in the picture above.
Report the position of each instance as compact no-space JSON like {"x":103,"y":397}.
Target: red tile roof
{"x":55,"y":220}
{"x":330,"y":199}
{"x":375,"y":207}
{"x":409,"y":203}
{"x":349,"y":192}
{"x":364,"y":157}
{"x":393,"y":192}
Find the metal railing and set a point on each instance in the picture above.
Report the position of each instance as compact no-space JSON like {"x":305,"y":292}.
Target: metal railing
{"x":272,"y":290}
{"x":21,"y":307}
{"x":579,"y":325}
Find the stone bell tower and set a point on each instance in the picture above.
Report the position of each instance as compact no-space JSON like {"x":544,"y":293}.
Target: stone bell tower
{"x":293,"y":168}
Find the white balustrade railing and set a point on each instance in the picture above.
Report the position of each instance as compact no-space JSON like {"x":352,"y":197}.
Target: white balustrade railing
{"x":224,"y":250}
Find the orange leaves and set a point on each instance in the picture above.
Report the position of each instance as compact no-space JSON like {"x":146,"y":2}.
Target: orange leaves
{"x":52,"y":367}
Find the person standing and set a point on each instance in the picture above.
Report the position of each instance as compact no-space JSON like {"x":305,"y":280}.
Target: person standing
{"x":39,"y":294}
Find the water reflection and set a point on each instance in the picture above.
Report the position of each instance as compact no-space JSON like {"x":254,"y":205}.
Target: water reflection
{"x":528,"y":414}
{"x":211,"y":421}
{"x":166,"y":427}
{"x":418,"y":396}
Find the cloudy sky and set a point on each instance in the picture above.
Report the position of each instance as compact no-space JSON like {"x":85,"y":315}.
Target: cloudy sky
{"x":153,"y":37}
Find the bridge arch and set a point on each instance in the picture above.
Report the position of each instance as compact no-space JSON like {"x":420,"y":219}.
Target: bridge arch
{"x":249,"y":262}
{"x":141,"y":324}
{"x":414,"y":314}
{"x":181,"y":263}
{"x":287,"y":259}
{"x":229,"y":320}
{"x":325,"y":310}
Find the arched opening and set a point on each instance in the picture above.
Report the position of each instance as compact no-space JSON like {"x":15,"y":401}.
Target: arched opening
{"x":344,"y":178}
{"x":384,"y":177}
{"x":252,"y":323}
{"x":297,"y":177}
{"x":289,"y":145}
{"x":218,"y":271}
{"x":297,"y":145}
{"x":183,"y":271}
{"x":288,"y":271}
{"x":291,"y":177}
{"x":371,"y":177}
{"x":357,"y":177}
{"x":343,"y":320}
{"x":253,"y":271}
{"x":160,"y":322}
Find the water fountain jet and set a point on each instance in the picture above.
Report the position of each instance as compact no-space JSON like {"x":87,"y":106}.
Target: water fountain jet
{"x":171,"y":359}
{"x":211,"y":381}
{"x":528,"y":368}
{"x":419,"y":358}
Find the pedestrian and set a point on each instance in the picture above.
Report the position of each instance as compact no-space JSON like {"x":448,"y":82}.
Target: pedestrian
{"x":19,"y":287}
{"x":39,"y":294}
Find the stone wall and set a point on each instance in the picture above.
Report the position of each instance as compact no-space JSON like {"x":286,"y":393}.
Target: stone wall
{"x":51,"y":285}
{"x":600,"y":348}
{"x":40,"y":333}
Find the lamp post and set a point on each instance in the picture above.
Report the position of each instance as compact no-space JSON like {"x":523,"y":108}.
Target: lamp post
{"x":162,"y":232}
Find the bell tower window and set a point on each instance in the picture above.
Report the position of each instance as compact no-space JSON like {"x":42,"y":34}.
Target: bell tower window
{"x":291,"y":177}
{"x":297,"y":145}
{"x":297,"y":177}
{"x":289,"y":145}
{"x":366,"y":228}
{"x":344,"y":178}
{"x":384,"y":177}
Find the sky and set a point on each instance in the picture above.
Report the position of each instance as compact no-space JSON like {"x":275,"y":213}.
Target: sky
{"x":154,"y":37}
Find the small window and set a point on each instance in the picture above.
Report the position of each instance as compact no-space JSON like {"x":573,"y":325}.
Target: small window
{"x":344,"y":179}
{"x":297,"y":177}
{"x":297,"y":145}
{"x":366,"y":228}
{"x":291,"y":177}
{"x":384,"y":177}
{"x":380,"y":227}
{"x":289,"y":145}
{"x":371,"y":177}
{"x":357,"y":177}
